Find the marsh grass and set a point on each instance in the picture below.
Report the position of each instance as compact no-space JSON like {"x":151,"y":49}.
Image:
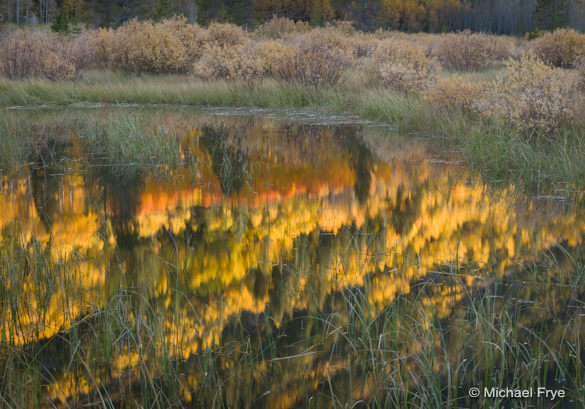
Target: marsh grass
{"x":113,"y":348}
{"x":126,"y":147}
{"x":502,"y":333}
{"x":492,"y":146}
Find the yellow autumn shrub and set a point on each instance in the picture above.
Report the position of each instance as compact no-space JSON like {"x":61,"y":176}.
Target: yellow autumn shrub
{"x":454,"y":92}
{"x":309,"y":62}
{"x":405,"y":53}
{"x":403,"y":67}
{"x":192,"y":36}
{"x":402,"y":78}
{"x":277,"y":27}
{"x":343,"y":26}
{"x":362,"y":45}
{"x":146,"y":47}
{"x":534,"y":96}
{"x":224,"y":35}
{"x":34,"y":55}
{"x":329,"y":38}
{"x":563,"y":47}
{"x":239,"y":62}
{"x":471,"y":51}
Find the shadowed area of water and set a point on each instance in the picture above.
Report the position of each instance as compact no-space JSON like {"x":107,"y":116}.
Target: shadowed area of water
{"x":281,"y":264}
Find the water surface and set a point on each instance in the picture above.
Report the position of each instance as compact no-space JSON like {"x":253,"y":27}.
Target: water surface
{"x":280,"y":263}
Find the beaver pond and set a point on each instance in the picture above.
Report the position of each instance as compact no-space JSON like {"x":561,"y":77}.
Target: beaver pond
{"x":168,"y":257}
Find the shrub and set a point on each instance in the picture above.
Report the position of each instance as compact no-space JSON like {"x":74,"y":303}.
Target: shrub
{"x":146,"y":47}
{"x":98,"y":47}
{"x":401,"y":66}
{"x":312,"y":63}
{"x":192,"y":36}
{"x":534,"y":96}
{"x":404,"y":53}
{"x":269,"y":50}
{"x":402,"y":78}
{"x":454,"y":92}
{"x":60,"y":25}
{"x":276,"y":27}
{"x":471,"y":51}
{"x":241,"y":62}
{"x":30,"y":55}
{"x":225,"y":35}
{"x":581,"y":73}
{"x":362,"y":45}
{"x":562,"y":48}
{"x":343,"y":26}
{"x":90,"y":50}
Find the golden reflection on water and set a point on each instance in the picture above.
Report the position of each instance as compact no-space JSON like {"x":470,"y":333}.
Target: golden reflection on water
{"x":270,"y":217}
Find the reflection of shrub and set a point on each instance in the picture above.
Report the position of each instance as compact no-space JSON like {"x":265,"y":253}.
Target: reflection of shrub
{"x":562,"y":48}
{"x":146,"y":47}
{"x":471,"y":51}
{"x":534,"y":96}
{"x":30,"y":55}
{"x":454,"y":93}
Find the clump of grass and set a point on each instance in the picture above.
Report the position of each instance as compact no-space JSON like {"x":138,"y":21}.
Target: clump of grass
{"x":17,"y":145}
{"x":126,"y":148}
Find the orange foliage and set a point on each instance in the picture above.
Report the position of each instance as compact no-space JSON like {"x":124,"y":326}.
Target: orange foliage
{"x":415,"y":15}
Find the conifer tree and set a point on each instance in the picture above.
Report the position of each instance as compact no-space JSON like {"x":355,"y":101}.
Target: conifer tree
{"x":551,"y":14}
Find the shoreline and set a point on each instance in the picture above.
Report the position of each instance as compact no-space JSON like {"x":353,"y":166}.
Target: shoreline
{"x":494,"y":148}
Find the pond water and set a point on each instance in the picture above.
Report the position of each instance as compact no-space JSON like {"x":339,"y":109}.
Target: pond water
{"x":279,"y":262}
